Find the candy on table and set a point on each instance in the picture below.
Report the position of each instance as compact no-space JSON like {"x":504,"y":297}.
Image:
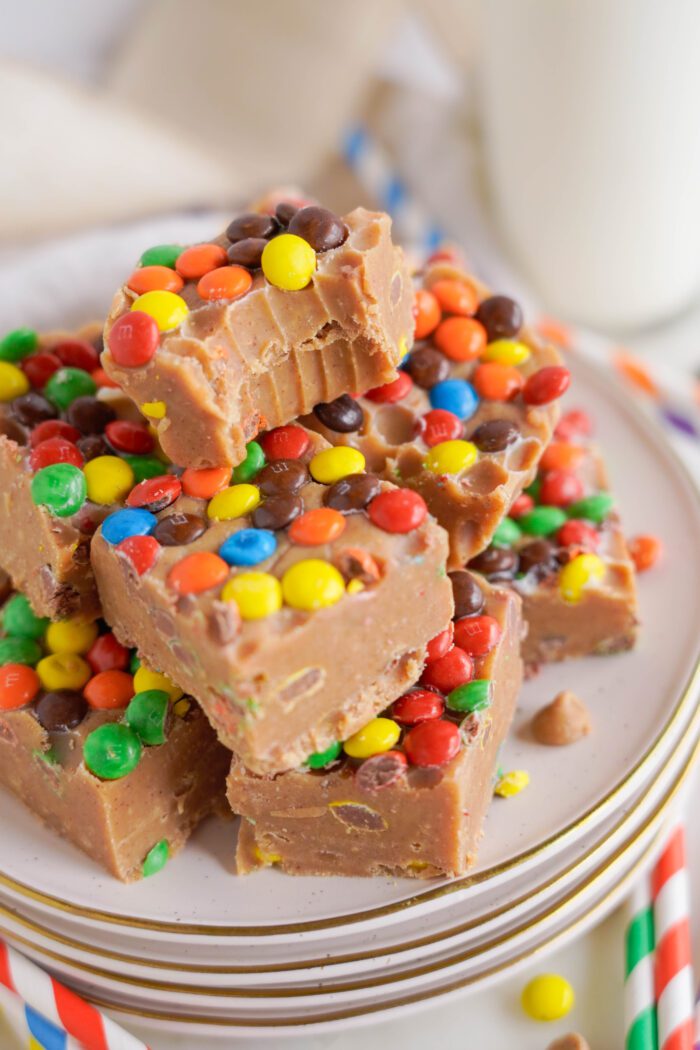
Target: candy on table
{"x":407,"y":794}
{"x":294,"y":596}
{"x":547,"y":997}
{"x":470,"y":413}
{"x":121,"y":764}
{"x":216,"y":342}
{"x":71,"y":447}
{"x":563,"y":550}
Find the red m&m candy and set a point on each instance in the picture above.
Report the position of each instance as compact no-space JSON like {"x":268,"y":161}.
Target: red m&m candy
{"x":287,"y":442}
{"x":133,"y":438}
{"x":521,"y":505}
{"x":55,"y":450}
{"x":432,"y":743}
{"x":76,"y":353}
{"x":109,"y":690}
{"x":39,"y":368}
{"x":454,"y":668}
{"x":107,"y":654}
{"x":420,"y":705}
{"x":477,"y":635}
{"x":576,"y":533}
{"x":155,"y":493}
{"x":133,"y":339}
{"x":141,"y":551}
{"x":560,"y":488}
{"x":574,"y":423}
{"x":439,"y":425}
{"x":51,"y":428}
{"x":398,"y":510}
{"x":391,"y":392}
{"x":440,"y":644}
{"x":546,"y":385}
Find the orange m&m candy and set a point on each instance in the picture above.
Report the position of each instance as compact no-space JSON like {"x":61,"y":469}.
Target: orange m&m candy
{"x":456,"y":297}
{"x":561,"y":455}
{"x":427,"y":313}
{"x":495,"y":382}
{"x":109,"y":690}
{"x":460,"y":338}
{"x":155,"y":279}
{"x":321,"y":525}
{"x":205,"y":482}
{"x":198,"y":572}
{"x":19,"y":685}
{"x":225,"y":282}
{"x":194,"y":262}
{"x":645,"y":552}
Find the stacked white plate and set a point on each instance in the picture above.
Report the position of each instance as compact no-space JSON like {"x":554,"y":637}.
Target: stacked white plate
{"x":198,"y":950}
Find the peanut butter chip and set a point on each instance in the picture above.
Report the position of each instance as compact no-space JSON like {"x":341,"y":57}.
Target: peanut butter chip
{"x":572,"y":1041}
{"x":564,"y":721}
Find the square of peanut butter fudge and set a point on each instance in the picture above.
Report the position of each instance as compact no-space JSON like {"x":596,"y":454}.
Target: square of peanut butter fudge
{"x":121,"y":764}
{"x":293,"y":597}
{"x":471,"y":411}
{"x":408,"y":793}
{"x":219,"y":341}
{"x":563,"y":550}
{"x":71,"y":447}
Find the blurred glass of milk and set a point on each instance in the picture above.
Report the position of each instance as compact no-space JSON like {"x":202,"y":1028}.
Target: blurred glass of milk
{"x":591,"y":118}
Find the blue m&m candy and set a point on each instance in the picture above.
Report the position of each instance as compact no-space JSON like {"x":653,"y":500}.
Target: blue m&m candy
{"x":248,"y":547}
{"x":133,"y":521}
{"x":455,"y":395}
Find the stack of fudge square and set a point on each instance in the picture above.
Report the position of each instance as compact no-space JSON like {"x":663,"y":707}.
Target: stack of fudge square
{"x":278,"y":541}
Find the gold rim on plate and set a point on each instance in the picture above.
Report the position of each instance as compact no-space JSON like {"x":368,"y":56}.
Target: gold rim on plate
{"x":551,"y":911}
{"x":611,"y":386}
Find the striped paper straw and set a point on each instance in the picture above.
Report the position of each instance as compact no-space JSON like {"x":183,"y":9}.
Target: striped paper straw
{"x":640,"y":1003}
{"x":374,"y":170}
{"x":56,"y":1018}
{"x":673,"y":974}
{"x":30,"y":1029}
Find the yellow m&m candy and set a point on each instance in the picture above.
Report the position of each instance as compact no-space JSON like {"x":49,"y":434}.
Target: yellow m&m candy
{"x":333,"y":464}
{"x":257,"y":594}
{"x":109,"y":479}
{"x":69,"y":636}
{"x":506,"y":352}
{"x":145,"y":678}
{"x":512,"y":783}
{"x":547,"y":997}
{"x":451,"y":457}
{"x":288,"y":262}
{"x":63,"y":671}
{"x":154,"y":409}
{"x":13,"y":382}
{"x":377,"y":736}
{"x":167,"y":309}
{"x":577,"y":573}
{"x":234,"y":502}
{"x":312,"y":584}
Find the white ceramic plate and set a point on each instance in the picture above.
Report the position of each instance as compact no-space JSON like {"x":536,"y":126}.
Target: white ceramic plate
{"x":639,"y":703}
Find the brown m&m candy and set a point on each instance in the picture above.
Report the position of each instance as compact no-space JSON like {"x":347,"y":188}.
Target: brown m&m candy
{"x":427,"y":367}
{"x":251,"y":225}
{"x":468,"y":595}
{"x":61,"y":710}
{"x":282,"y":477}
{"x":319,"y":227}
{"x":352,"y":493}
{"x":501,"y":317}
{"x":496,"y":563}
{"x":495,"y":435}
{"x":344,"y":415}
{"x":177,"y":530}
{"x":277,"y":512}
{"x":89,"y":415}
{"x":247,"y":252}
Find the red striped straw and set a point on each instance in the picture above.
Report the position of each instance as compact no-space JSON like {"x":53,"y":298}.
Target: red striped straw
{"x":47,"y":1001}
{"x":673,"y":971}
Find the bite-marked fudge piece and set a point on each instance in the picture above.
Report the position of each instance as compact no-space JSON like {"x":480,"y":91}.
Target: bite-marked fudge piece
{"x":293,"y":598}
{"x":562,"y":548}
{"x":408,"y":794}
{"x":468,"y":417}
{"x":71,"y":447}
{"x":219,"y":341}
{"x":124,"y":766}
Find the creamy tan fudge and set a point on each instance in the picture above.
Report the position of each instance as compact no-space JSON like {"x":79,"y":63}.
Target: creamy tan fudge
{"x":468,"y":418}
{"x":217,"y":342}
{"x":294,"y":599}
{"x":408,"y":794}
{"x":124,"y":773}
{"x":70,"y":449}
{"x":562,"y":548}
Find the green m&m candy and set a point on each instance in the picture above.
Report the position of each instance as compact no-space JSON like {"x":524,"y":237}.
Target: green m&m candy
{"x":19,"y":651}
{"x":319,"y":759}
{"x":18,"y":343}
{"x":161,"y":255}
{"x":593,"y":508}
{"x":472,"y":696}
{"x":147,"y":714}
{"x":134,"y":662}
{"x":145,"y":467}
{"x":507,"y":533}
{"x":61,"y":488}
{"x":156,"y":858}
{"x":20,"y":620}
{"x":66,"y":384}
{"x":542,"y":521}
{"x":254,"y":461}
{"x":112,"y":751}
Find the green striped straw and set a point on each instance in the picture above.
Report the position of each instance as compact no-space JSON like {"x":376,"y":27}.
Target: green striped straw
{"x":640,"y":1002}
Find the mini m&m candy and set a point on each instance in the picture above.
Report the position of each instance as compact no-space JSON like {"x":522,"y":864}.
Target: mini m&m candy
{"x":19,"y":651}
{"x":18,"y":343}
{"x":333,"y":464}
{"x":398,"y":510}
{"x":70,"y":636}
{"x":156,"y":859}
{"x":68,"y":384}
{"x":233,"y":502}
{"x":288,"y":442}
{"x":167,"y":309}
{"x":109,"y":479}
{"x":131,"y":521}
{"x":133,"y":339}
{"x":645,"y":551}
{"x":161,"y":255}
{"x":432,"y":743}
{"x":112,"y":751}
{"x":20,"y":620}
{"x":456,"y":396}
{"x":109,"y":690}
{"x":471,"y":696}
{"x":13,"y":381}
{"x":61,"y":488}
{"x":248,"y":547}
{"x":577,"y":574}
{"x":145,"y":679}
{"x":257,"y":594}
{"x":377,"y":736}
{"x":506,"y":352}
{"x":288,"y":262}
{"x":512,"y":783}
{"x":142,"y":552}
{"x":63,"y":671}
{"x":547,"y":997}
{"x":147,"y":714}
{"x":312,"y":584}
{"x":451,"y":457}
{"x":19,"y":685}
{"x":197,"y":572}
